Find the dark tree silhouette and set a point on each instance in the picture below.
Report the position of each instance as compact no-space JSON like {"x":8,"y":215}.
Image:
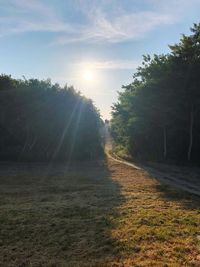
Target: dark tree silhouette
{"x":42,"y":121}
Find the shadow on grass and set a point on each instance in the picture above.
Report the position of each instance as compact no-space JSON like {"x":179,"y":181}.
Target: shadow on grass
{"x":187,"y":200}
{"x":57,"y":216}
{"x":172,"y":179}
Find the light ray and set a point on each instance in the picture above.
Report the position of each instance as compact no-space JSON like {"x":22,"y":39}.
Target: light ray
{"x":75,"y":132}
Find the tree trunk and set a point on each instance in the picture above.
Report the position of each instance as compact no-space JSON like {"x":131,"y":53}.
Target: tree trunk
{"x":164,"y":142}
{"x":190,"y":133}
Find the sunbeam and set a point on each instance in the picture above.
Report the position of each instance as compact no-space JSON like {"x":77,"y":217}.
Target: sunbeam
{"x":74,"y":135}
{"x":65,"y":130}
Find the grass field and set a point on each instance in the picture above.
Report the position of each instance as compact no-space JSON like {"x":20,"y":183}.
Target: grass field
{"x":97,"y":214}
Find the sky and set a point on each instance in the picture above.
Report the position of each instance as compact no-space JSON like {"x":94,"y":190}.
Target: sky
{"x":94,"y":45}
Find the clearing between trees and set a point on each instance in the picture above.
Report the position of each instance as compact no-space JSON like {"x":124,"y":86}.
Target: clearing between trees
{"x":97,"y":213}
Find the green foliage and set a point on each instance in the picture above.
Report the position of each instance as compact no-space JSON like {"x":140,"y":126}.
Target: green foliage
{"x":157,"y":114}
{"x":42,"y":121}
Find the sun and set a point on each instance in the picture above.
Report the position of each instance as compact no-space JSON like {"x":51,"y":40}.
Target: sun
{"x":88,"y":75}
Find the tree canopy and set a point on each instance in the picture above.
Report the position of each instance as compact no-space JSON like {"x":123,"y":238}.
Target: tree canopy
{"x":43,"y":121}
{"x":157,"y":115}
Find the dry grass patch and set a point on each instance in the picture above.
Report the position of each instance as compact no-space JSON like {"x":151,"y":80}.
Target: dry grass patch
{"x":157,"y":225}
{"x":96,"y":214}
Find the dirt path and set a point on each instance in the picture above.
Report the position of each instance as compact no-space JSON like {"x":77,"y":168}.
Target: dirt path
{"x":184,"y":178}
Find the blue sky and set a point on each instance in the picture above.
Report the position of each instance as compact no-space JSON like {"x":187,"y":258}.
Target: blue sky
{"x":60,"y":39}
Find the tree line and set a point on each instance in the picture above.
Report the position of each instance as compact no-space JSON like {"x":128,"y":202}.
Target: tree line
{"x":41,"y":121}
{"x":157,"y":116}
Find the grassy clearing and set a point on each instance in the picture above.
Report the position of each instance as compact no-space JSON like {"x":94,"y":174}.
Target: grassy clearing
{"x":99,"y":214}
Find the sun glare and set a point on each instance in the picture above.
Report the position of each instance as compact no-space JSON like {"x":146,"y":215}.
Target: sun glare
{"x":88,"y":76}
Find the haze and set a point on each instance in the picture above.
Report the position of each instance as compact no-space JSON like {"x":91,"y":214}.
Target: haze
{"x":62,"y":40}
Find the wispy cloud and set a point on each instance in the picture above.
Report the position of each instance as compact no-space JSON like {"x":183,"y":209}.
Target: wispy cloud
{"x":118,"y":29}
{"x":102,"y":24}
{"x":21,"y":16}
{"x":109,"y":64}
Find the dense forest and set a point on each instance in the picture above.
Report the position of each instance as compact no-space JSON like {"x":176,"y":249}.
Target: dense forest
{"x":40,"y":121}
{"x":157,"y":116}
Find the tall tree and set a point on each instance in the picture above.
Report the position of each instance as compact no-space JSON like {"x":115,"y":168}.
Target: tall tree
{"x":157,"y":114}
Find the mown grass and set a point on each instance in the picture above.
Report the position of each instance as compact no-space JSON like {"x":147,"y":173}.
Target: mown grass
{"x":94,"y":214}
